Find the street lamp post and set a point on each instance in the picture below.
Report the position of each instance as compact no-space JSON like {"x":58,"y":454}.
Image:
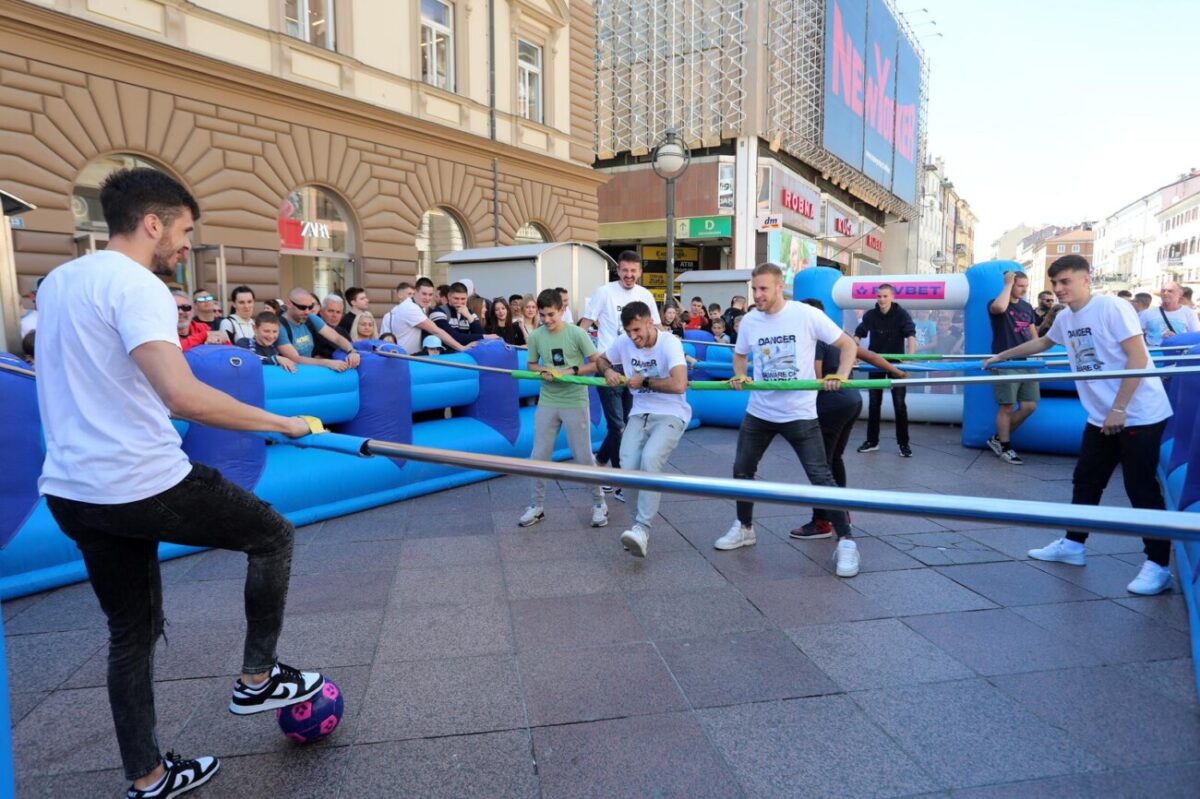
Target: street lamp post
{"x":670,"y":160}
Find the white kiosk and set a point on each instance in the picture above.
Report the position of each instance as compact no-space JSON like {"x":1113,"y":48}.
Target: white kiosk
{"x":529,"y":268}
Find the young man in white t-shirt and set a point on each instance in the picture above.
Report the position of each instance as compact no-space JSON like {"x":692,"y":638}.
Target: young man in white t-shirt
{"x":110,"y":375}
{"x":1169,"y":319}
{"x":1126,"y":417}
{"x":783,"y":336}
{"x":654,"y":370}
{"x":410,"y":325}
{"x":604,"y":312}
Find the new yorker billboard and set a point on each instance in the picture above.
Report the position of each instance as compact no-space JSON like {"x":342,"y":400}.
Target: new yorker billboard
{"x":872,"y":87}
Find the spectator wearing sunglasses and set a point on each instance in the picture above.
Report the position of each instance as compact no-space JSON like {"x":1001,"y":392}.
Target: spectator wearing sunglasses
{"x":206,"y":309}
{"x":299,"y":328}
{"x":192,"y":333}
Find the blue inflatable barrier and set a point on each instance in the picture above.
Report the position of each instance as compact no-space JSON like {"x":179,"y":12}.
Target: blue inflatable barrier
{"x":377,"y":400}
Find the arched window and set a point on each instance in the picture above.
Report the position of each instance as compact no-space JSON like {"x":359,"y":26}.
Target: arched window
{"x":91,"y":231}
{"x":531,"y":233}
{"x":85,"y":199}
{"x":316,"y":242}
{"x":440,"y":233}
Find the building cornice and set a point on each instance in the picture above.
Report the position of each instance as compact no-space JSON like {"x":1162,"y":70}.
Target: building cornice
{"x":29,"y":31}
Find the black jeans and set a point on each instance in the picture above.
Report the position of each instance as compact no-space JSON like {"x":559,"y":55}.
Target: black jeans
{"x":120,"y":549}
{"x":1136,"y":449}
{"x":755,"y":435}
{"x":876,"y":405}
{"x":836,"y":425}
{"x":616,"y":404}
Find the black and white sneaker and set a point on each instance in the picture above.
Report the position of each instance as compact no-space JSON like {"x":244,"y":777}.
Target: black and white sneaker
{"x":182,"y":776}
{"x":619,"y":495}
{"x":285,"y":686}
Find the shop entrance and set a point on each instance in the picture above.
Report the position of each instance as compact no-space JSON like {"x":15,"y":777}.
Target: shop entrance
{"x":316,"y":243}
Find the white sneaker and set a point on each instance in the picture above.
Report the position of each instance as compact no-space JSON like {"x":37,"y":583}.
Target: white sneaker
{"x":532,"y":515}
{"x":600,"y":515}
{"x":994,"y":444}
{"x":636,"y":540}
{"x":1057,"y":552}
{"x":737,"y":536}
{"x":1152,"y":579}
{"x":846,"y":558}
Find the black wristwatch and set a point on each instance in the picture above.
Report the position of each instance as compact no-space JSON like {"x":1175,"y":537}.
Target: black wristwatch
{"x":574,"y":370}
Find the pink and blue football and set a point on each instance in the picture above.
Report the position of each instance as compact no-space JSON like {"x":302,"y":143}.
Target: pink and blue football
{"x":315,"y":718}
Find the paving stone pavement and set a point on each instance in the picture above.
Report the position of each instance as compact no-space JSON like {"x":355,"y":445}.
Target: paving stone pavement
{"x":481,"y":660}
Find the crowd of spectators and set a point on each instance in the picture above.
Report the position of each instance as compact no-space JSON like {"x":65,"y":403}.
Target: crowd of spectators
{"x":427,"y":319}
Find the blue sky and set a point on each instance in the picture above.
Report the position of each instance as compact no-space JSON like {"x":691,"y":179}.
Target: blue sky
{"x":1058,"y":111}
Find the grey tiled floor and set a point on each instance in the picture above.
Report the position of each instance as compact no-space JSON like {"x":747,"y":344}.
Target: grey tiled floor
{"x":478,"y":659}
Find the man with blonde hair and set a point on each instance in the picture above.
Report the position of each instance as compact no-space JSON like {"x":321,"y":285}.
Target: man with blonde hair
{"x":782,"y":337}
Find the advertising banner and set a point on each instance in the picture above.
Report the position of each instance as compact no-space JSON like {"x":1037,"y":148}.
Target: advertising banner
{"x":845,"y":79}
{"x":793,"y":251}
{"x":908,"y":95}
{"x":880,"y":99}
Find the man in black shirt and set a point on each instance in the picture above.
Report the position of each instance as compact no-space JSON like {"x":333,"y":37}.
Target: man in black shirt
{"x":890,"y":330}
{"x":1044,"y":306}
{"x":1013,"y":323}
{"x":456,"y":318}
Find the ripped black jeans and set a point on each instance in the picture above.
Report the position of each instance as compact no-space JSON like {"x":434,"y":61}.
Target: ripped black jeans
{"x":120,"y":549}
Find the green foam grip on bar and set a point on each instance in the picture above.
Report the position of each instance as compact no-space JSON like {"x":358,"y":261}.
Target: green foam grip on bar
{"x":786,"y":385}
{"x":583,"y":380}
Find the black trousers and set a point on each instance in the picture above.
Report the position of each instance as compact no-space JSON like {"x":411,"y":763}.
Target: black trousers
{"x":876,"y":405}
{"x":1136,"y":450}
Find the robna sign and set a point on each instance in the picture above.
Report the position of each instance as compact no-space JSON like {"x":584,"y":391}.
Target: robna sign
{"x":874,"y":243}
{"x":799,"y":204}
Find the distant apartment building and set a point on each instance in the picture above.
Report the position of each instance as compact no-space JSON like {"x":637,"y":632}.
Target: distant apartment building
{"x":1047,"y":245}
{"x":941,"y":239}
{"x":1005,"y":247}
{"x":1150,"y":241}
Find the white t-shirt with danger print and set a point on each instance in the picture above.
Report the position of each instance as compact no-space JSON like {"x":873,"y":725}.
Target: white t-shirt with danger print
{"x":1093,"y":336}
{"x":605,"y":306}
{"x":783,"y":346}
{"x":656,"y":362}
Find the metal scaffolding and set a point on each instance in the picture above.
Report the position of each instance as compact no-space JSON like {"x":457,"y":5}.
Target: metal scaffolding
{"x":669,"y":63}
{"x":684,"y":63}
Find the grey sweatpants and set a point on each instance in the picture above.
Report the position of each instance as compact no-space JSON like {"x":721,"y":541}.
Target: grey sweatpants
{"x":546,"y":424}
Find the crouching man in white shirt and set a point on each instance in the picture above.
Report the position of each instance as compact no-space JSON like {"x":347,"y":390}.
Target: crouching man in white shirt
{"x":655,"y":373}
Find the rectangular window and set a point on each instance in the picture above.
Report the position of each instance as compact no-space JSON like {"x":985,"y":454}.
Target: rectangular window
{"x":310,"y":21}
{"x":1074,"y":248}
{"x":437,"y":44}
{"x":529,"y":80}
{"x":1061,"y":248}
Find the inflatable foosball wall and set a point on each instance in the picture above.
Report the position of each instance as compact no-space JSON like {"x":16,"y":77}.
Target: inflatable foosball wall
{"x":385,"y":398}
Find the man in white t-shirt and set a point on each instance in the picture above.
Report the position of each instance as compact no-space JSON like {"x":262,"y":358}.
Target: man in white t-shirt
{"x":604,"y":313}
{"x":409,"y":324}
{"x":1169,"y":319}
{"x":782,"y":336}
{"x":118,"y":482}
{"x":1125,"y":418}
{"x":654,"y":371}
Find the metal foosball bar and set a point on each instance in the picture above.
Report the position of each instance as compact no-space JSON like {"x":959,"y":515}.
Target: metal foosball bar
{"x":816,"y":385}
{"x":1124,"y":521}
